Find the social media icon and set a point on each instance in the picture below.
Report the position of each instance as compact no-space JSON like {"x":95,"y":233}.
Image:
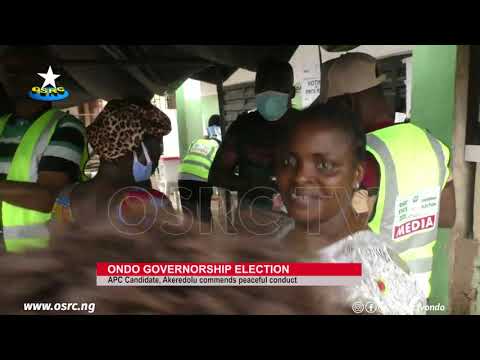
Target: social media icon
{"x":358,"y":307}
{"x":371,"y":307}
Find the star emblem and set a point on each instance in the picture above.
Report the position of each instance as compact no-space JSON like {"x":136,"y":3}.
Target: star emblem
{"x":49,"y":77}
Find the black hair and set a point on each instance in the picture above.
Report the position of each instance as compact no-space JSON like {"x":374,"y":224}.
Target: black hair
{"x":137,"y":100}
{"x":214,"y":120}
{"x":276,"y":67}
{"x":338,"y":117}
{"x":271,"y":63}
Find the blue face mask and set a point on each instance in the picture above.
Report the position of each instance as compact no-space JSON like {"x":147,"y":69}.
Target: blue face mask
{"x":142,"y":172}
{"x":272,"y":105}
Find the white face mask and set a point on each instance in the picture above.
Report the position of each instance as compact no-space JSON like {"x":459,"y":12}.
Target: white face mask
{"x":215,"y":132}
{"x":142,"y":172}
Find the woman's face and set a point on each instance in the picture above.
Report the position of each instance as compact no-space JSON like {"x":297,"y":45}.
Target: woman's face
{"x":316,"y":172}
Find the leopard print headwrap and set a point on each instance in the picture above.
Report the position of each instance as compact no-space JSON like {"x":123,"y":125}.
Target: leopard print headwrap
{"x":122,"y":125}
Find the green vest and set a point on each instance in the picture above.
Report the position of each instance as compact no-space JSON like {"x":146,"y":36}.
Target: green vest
{"x":199,"y":158}
{"x":414,"y":170}
{"x":24,"y":228}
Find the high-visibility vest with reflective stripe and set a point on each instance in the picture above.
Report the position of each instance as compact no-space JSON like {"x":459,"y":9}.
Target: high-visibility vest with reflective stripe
{"x":199,"y":158}
{"x":411,"y":162}
{"x":25,"y":228}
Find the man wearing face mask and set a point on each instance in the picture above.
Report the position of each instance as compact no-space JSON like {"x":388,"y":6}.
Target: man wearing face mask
{"x":250,"y":140}
{"x":195,"y":191}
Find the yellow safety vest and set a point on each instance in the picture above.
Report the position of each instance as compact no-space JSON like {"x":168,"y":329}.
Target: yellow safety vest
{"x":199,"y":158}
{"x":414,"y":170}
{"x":24,"y":228}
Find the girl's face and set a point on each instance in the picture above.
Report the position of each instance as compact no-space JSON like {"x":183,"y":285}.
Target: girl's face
{"x":317,"y":172}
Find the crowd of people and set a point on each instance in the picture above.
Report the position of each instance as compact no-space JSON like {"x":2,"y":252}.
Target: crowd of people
{"x":336,"y":182}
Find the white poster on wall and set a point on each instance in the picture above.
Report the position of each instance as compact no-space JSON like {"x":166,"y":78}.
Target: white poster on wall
{"x":310,"y":91}
{"x":310,"y":82}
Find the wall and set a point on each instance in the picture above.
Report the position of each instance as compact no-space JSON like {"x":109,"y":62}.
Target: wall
{"x":188,"y":113}
{"x":171,"y":146}
{"x":433,"y":94}
{"x":209,"y":103}
{"x":196,"y":102}
{"x":202,"y":102}
{"x":209,"y":108}
{"x":305,"y":64}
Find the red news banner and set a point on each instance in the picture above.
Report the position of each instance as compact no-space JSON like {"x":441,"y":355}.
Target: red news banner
{"x":228,"y":274}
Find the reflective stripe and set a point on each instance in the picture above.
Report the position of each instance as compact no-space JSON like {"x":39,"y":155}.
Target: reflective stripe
{"x":191,"y":177}
{"x":213,"y":152}
{"x":420,"y":265}
{"x":198,"y":158}
{"x":19,"y":245}
{"x":25,"y":231}
{"x":389,"y":176}
{"x":4,"y":167}
{"x":73,"y":124}
{"x":413,"y":242}
{"x":418,"y":253}
{"x":15,"y":140}
{"x":64,"y":153}
{"x":195,"y":170}
{"x":196,"y":163}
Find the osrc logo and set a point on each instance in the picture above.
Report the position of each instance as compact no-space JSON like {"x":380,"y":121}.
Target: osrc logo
{"x":49,"y":90}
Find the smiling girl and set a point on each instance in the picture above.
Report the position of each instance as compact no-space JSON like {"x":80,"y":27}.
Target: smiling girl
{"x":319,"y":166}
